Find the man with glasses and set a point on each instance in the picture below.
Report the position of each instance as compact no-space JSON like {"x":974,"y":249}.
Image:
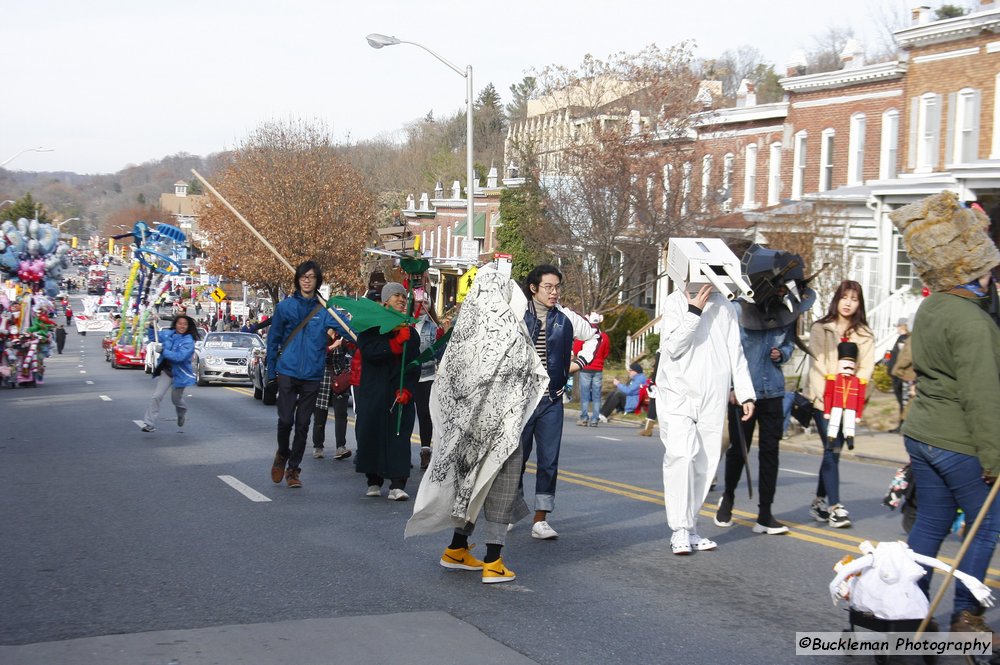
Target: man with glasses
{"x":296,"y":356}
{"x":553,"y":329}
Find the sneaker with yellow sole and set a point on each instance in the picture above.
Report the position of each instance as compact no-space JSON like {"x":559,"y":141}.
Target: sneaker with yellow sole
{"x":460,"y":558}
{"x":495,"y":572}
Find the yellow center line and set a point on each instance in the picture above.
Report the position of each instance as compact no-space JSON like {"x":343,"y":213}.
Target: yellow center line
{"x":801,"y":532}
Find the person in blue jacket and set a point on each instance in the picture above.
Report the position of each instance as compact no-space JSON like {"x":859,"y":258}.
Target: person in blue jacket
{"x":626,"y":395}
{"x":297,"y":363}
{"x":173,"y":371}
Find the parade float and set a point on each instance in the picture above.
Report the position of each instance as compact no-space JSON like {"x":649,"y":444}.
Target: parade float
{"x":31,"y":264}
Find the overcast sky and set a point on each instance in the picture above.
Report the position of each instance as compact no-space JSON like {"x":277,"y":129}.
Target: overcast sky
{"x":112,"y":83}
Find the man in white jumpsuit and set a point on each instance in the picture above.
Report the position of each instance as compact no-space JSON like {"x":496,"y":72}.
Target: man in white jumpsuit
{"x":700,"y":358}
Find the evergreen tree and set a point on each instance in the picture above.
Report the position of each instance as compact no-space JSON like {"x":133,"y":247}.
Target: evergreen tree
{"x":517,"y":108}
{"x":25,"y":207}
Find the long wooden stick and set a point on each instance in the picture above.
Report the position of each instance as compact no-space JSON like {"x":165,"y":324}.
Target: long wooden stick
{"x":966,"y":542}
{"x":242,"y":219}
{"x":208,"y":186}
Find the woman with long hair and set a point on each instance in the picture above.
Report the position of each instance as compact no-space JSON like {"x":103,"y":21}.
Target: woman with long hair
{"x":173,"y":372}
{"x":845,"y":320}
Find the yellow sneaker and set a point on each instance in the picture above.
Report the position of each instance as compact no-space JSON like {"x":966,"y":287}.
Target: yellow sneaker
{"x":460,"y":558}
{"x":497,"y":572}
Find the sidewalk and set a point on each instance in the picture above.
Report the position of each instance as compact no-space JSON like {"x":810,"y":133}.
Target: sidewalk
{"x":873,"y":447}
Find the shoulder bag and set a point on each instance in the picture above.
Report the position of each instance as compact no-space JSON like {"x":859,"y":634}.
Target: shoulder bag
{"x":802,"y":408}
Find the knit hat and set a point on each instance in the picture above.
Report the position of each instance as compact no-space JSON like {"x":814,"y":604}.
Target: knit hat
{"x":949,"y":245}
{"x":636,"y":367}
{"x":392,"y":288}
{"x":595,"y":318}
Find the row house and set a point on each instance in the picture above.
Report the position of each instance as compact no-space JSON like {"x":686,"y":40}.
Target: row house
{"x":440,"y":223}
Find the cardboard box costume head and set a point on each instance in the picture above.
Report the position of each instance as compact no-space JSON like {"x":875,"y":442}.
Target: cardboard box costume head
{"x":780,"y":289}
{"x":694,"y":262}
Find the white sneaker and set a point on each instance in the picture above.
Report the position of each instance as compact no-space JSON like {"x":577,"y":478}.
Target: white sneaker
{"x":839,"y":518}
{"x":680,"y":543}
{"x":317,"y":453}
{"x":700,"y":543}
{"x":542,"y":531}
{"x":373,"y":490}
{"x":602,"y":418}
{"x":398,"y":495}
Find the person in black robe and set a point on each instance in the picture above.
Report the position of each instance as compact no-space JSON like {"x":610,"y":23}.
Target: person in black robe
{"x":382,"y":453}
{"x":60,"y":339}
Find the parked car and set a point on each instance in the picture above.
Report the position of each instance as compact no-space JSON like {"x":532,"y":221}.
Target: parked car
{"x":223,"y":357}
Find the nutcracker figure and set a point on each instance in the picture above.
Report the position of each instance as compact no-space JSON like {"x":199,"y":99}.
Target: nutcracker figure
{"x":844,"y":397}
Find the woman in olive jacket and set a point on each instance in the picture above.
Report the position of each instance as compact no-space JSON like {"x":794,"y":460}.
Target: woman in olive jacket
{"x":845,"y":319}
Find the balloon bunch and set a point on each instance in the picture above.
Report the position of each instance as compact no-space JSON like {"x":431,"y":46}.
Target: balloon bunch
{"x":26,"y":327}
{"x":156,"y":254}
{"x":31,"y":253}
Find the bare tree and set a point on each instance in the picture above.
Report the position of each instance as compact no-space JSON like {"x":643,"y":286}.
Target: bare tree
{"x":289,"y":182}
{"x":619,"y":180}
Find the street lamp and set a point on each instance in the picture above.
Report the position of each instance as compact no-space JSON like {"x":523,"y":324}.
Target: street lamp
{"x":18,"y":154}
{"x":376,"y":40}
{"x":66,"y":221}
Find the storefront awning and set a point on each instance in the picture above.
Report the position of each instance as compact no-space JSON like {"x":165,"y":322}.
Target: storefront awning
{"x":479,"y":230}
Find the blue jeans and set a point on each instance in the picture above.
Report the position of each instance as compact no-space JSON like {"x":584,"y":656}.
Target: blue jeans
{"x":544,"y":427}
{"x":829,"y":470}
{"x":786,"y":409}
{"x":947,"y":481}
{"x":590,"y":393}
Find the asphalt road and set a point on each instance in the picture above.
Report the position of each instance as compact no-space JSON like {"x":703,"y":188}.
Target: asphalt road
{"x":111,"y":531}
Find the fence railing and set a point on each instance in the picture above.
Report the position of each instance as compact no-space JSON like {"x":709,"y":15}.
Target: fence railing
{"x":883,"y":317}
{"x":635,"y":343}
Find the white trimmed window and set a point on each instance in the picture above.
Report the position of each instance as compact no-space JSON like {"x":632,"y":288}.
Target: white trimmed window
{"x":774,"y":175}
{"x":856,"y":150}
{"x":995,"y":151}
{"x":706,"y":181}
{"x":889,"y":150}
{"x":965,"y":137}
{"x":799,"y":166}
{"x":750,"y":176}
{"x":826,"y":160}
{"x":668,"y":171}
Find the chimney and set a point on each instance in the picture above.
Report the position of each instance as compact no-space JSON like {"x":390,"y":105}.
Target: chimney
{"x":409,"y":201}
{"x":456,"y":190}
{"x":491,"y":178}
{"x":424,"y":203}
{"x":745,"y":95}
{"x":920,"y":15}
{"x":796,"y":65}
{"x":853,"y":55}
{"x":438,"y":190}
{"x":513,"y":171}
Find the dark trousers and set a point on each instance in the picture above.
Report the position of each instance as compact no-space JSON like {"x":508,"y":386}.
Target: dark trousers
{"x":338,"y":403}
{"x":828,"y":485}
{"x":296,"y":402}
{"x":615,"y":401}
{"x":544,"y":427}
{"x":394,"y":483}
{"x":769,"y":415}
{"x":422,"y":398}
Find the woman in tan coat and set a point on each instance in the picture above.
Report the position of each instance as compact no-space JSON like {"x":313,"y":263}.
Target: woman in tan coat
{"x":845,"y":319}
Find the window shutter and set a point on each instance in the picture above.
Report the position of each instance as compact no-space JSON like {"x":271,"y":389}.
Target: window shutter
{"x":949,"y":133}
{"x":934,"y":121}
{"x":911,"y":150}
{"x":976,"y":105}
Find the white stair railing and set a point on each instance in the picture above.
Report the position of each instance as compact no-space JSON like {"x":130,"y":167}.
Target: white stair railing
{"x":635,"y":343}
{"x":883,"y":317}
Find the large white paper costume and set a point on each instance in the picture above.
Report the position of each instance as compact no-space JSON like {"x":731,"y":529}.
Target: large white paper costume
{"x":700,"y":357}
{"x":488,"y":383}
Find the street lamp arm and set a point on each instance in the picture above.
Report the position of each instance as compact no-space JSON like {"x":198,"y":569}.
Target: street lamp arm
{"x":376,"y":40}
{"x":18,"y":154}
{"x":455,"y":68}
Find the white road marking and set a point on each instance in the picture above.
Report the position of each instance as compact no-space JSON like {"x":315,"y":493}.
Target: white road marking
{"x":244,"y":489}
{"x":83,"y":371}
{"x":801,"y":473}
{"x":90,"y":383}
{"x":105,"y":398}
{"x":79,"y":365}
{"x":607,"y":438}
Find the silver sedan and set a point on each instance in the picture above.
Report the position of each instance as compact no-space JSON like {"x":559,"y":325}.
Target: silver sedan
{"x":222,"y":357}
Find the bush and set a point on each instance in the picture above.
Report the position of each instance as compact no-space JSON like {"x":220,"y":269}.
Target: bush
{"x":881,"y":378}
{"x":652,"y":343}
{"x":618,"y":326}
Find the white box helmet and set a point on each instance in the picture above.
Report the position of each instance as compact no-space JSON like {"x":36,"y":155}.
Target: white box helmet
{"x":693,"y":262}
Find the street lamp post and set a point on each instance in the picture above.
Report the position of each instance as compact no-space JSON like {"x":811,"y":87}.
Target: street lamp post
{"x":376,"y":40}
{"x":18,"y":154}
{"x":66,"y":221}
